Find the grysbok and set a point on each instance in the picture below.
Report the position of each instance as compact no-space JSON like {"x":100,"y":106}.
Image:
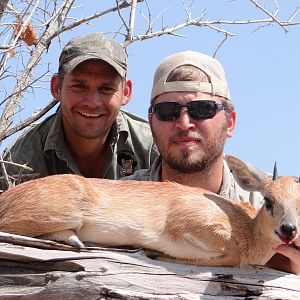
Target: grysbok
{"x":190,"y":224}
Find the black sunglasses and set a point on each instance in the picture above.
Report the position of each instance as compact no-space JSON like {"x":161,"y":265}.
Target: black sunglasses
{"x":197,"y":109}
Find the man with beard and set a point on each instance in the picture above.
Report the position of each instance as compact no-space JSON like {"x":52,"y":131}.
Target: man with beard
{"x":191,"y":116}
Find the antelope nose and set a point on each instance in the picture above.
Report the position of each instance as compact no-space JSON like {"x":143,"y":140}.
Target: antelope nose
{"x":288,"y":229}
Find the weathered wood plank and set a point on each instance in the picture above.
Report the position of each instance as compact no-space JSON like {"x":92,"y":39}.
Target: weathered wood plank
{"x":33,"y":273}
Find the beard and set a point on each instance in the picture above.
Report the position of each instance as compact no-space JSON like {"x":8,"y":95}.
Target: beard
{"x":195,"y":159}
{"x":194,"y":162}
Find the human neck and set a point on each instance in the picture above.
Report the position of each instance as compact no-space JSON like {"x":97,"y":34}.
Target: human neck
{"x":89,"y":155}
{"x":208,"y":179}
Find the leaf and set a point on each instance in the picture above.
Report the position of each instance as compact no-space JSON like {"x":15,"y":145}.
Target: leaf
{"x":11,"y":52}
{"x":27,"y":35}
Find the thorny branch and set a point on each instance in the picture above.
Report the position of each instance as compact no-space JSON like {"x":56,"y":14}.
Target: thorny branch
{"x":10,"y":107}
{"x":220,"y":45}
{"x":6,"y":176}
{"x":273,"y":16}
{"x":118,"y":8}
{"x":33,"y":118}
{"x":121,"y":17}
{"x":4,"y":172}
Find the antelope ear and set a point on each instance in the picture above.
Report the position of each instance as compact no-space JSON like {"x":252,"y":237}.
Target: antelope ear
{"x":247,"y":176}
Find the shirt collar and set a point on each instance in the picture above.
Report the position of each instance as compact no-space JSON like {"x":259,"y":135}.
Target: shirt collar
{"x":120,"y":126}
{"x":55,"y":139}
{"x":227,"y":189}
{"x":155,"y":169}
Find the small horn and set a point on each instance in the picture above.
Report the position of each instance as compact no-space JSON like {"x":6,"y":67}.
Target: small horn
{"x":275,"y":172}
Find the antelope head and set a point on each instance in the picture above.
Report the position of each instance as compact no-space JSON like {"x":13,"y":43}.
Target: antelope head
{"x":279,"y":214}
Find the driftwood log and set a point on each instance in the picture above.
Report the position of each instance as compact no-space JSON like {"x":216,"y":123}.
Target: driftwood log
{"x":58,"y":272}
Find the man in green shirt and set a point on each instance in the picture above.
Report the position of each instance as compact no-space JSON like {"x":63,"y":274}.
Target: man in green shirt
{"x":89,"y":134}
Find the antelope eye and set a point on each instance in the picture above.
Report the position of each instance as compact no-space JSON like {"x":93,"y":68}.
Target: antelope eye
{"x":268,"y":203}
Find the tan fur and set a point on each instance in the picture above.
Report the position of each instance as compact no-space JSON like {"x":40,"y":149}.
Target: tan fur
{"x":187,"y":223}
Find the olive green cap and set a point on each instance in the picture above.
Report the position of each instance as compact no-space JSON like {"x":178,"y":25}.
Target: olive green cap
{"x":93,"y":46}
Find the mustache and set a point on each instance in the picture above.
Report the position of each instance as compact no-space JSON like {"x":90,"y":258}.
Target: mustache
{"x":187,"y":135}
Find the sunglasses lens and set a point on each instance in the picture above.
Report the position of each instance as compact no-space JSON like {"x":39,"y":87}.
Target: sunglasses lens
{"x":203,"y":109}
{"x":167,"y":111}
{"x":198,"y":110}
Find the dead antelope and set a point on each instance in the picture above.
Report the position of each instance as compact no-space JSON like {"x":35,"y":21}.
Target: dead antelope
{"x":190,"y":224}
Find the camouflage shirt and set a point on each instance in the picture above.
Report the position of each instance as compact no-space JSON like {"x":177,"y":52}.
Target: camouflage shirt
{"x":229,"y":189}
{"x":43,"y":148}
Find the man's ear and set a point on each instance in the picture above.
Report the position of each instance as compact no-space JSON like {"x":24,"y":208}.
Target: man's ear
{"x":55,"y":90}
{"x":231,"y":121}
{"x":127,"y":92}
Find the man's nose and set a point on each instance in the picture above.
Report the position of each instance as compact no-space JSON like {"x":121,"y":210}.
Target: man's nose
{"x":93,"y":98}
{"x":184,"y":121}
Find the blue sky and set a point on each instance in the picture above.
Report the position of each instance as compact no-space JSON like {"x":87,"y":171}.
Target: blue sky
{"x":262,"y":69}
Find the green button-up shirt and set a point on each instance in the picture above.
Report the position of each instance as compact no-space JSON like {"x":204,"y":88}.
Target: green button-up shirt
{"x":43,"y":148}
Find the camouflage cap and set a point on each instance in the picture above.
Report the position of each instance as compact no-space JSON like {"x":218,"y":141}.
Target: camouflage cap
{"x":93,"y":46}
{"x":209,"y":65}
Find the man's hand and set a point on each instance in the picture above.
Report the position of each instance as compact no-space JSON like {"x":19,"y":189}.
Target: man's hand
{"x":287,"y":258}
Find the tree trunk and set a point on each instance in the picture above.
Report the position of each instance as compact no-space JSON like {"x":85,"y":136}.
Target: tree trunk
{"x":3,"y":4}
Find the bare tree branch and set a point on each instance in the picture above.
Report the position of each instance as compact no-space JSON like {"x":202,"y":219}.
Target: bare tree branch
{"x":294,"y":14}
{"x":220,"y":45}
{"x":131,"y":21}
{"x":14,"y":164}
{"x":273,"y":16}
{"x":41,"y":46}
{"x":118,"y":7}
{"x":173,"y":30}
{"x":28,"y":121}
{"x":4,"y":172}
{"x":121,"y":17}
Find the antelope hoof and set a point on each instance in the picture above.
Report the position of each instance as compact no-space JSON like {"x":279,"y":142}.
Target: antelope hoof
{"x":75,"y":242}
{"x":67,"y":236}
